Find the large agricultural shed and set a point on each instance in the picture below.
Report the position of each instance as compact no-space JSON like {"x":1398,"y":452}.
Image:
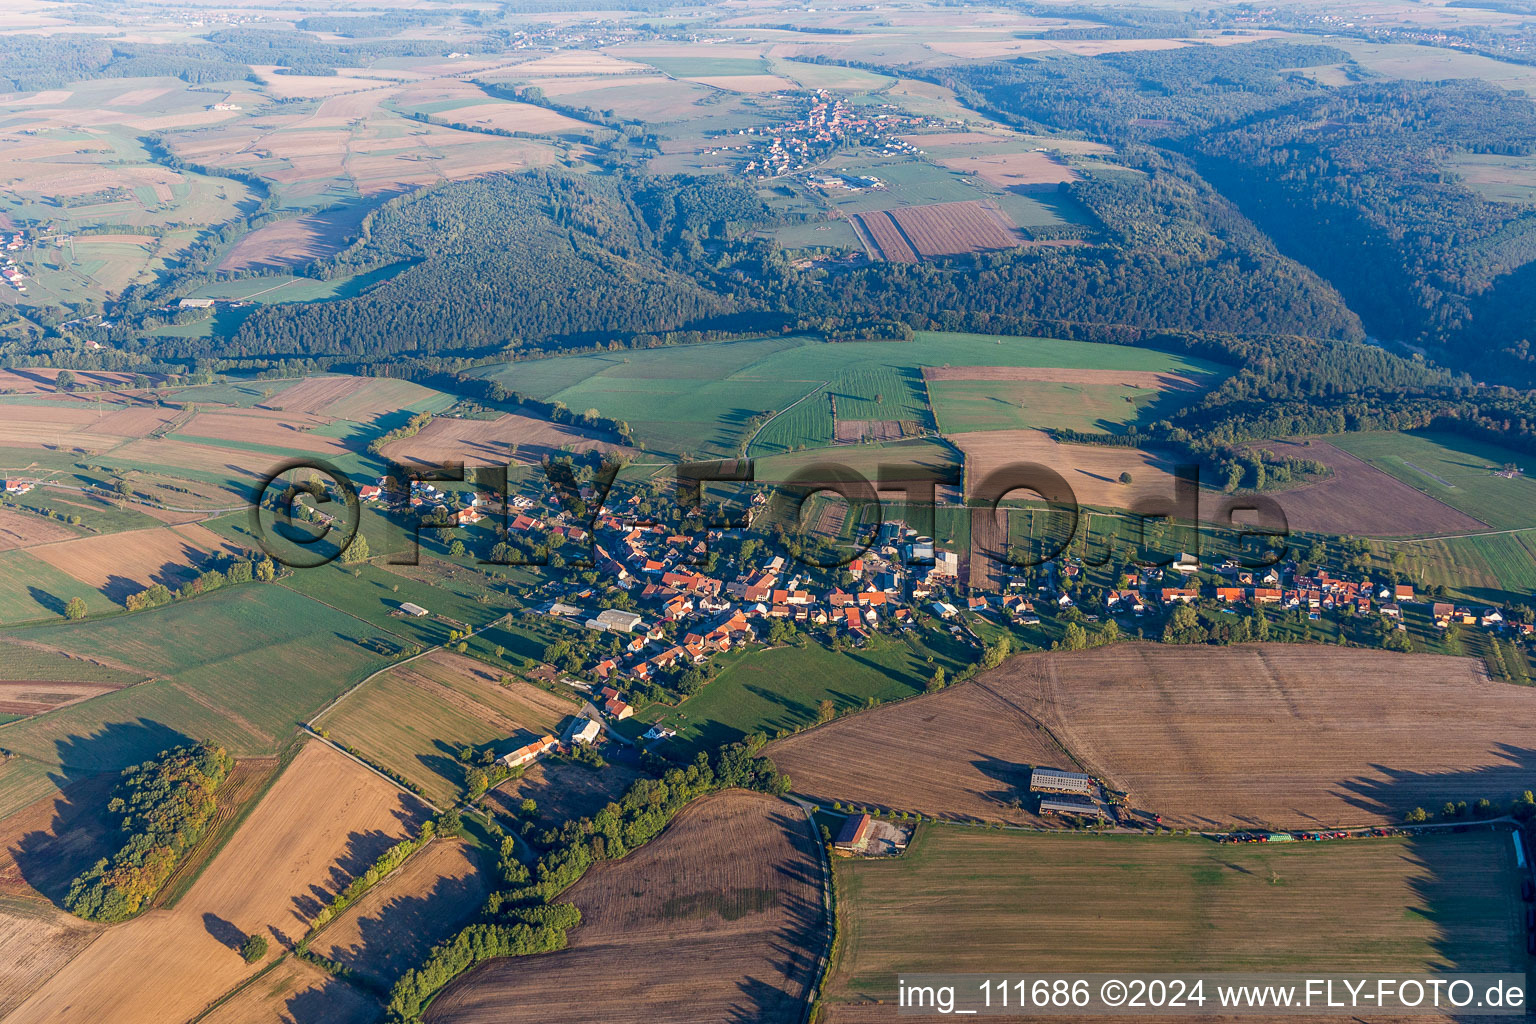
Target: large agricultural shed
{"x":1049,"y":780}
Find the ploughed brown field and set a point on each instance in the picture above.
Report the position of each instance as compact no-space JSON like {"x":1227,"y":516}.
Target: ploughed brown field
{"x":1264,"y":734}
{"x":940,"y":229}
{"x":887,"y":236}
{"x":1360,"y":499}
{"x":719,"y":919}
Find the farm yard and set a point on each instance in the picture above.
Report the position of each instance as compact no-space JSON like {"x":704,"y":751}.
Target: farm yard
{"x":325,"y":820}
{"x":966,"y":900}
{"x":415,"y":719}
{"x":731,"y":891}
{"x":1261,"y":735}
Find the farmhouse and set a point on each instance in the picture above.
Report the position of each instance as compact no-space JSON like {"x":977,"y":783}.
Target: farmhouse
{"x":582,"y":731}
{"x":1049,"y":780}
{"x":618,"y":709}
{"x":19,"y":486}
{"x":854,"y":833}
{"x":528,"y":753}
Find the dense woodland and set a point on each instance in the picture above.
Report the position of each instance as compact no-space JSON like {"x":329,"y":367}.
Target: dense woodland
{"x":161,"y":808}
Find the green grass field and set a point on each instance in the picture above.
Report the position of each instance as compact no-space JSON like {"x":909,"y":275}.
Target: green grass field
{"x":31,"y":589}
{"x":241,"y":667}
{"x":1496,"y":568}
{"x":768,"y":691}
{"x":966,"y":900}
{"x":416,"y":730}
{"x":964,"y":405}
{"x":703,"y":399}
{"x":1457,"y":471}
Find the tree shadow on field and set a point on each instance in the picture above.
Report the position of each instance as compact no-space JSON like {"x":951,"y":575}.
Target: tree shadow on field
{"x":1013,"y":776}
{"x":224,"y":931}
{"x":397,"y":934}
{"x":796,"y":944}
{"x":1464,"y":877}
{"x":78,"y":830}
{"x":46,"y":600}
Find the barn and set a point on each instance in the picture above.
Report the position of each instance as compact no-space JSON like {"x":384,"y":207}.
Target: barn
{"x":1050,"y":780}
{"x":854,"y":833}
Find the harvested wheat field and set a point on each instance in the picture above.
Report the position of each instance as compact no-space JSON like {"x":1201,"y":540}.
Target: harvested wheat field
{"x":278,"y":431}
{"x":719,"y":919}
{"x":295,"y":992}
{"x":36,"y":940}
{"x":39,"y":380}
{"x":23,"y":529}
{"x":391,"y":929}
{"x":1092,"y":471}
{"x":1013,"y":170}
{"x":490,"y":442}
{"x":312,"y":395}
{"x":1359,"y":499}
{"x":324,"y":820}
{"x":120,"y":564}
{"x":1276,"y":735}
{"x":514,"y":117}
{"x":295,"y":242}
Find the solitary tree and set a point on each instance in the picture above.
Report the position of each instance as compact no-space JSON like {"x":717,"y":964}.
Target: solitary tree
{"x":254,"y":948}
{"x":825,"y":712}
{"x":75,"y":609}
{"x":1125,"y":478}
{"x":355,"y":551}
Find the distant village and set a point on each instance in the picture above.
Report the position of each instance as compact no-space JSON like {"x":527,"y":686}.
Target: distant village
{"x":830,"y":124}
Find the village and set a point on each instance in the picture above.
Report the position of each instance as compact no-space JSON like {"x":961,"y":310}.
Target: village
{"x":830,"y":124}
{"x":664,"y":601}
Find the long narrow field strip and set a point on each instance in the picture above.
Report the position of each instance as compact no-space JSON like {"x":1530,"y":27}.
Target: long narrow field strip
{"x":718,"y":919}
{"x":966,"y":900}
{"x":882,"y":227}
{"x":25,"y":529}
{"x":325,"y":820}
{"x":1266,"y":735}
